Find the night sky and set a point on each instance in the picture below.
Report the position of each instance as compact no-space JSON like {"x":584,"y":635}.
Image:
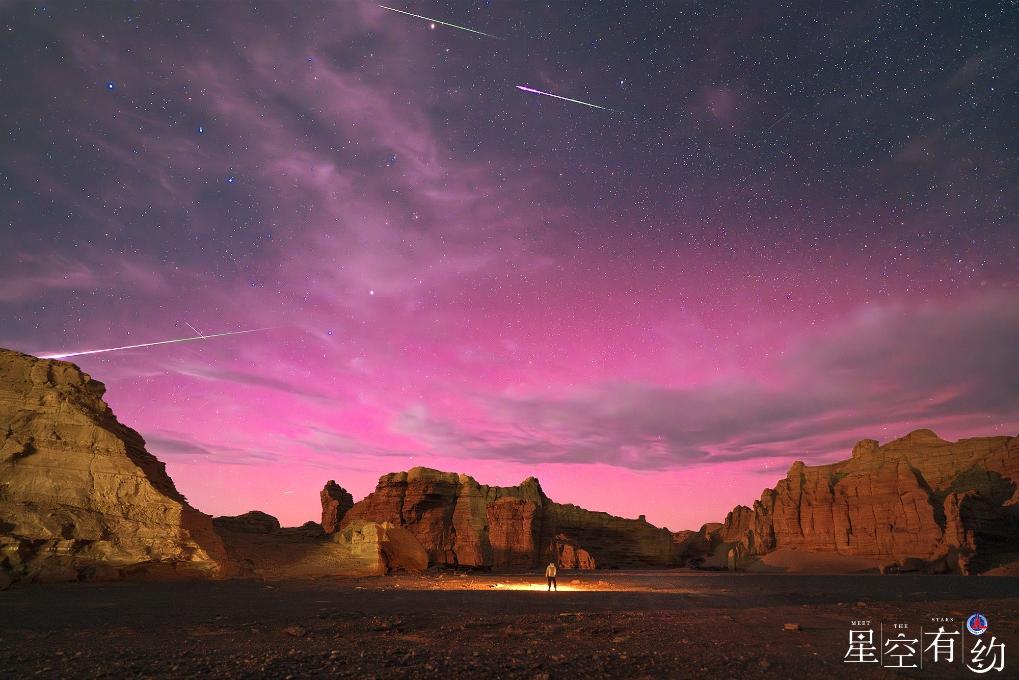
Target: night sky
{"x":797,"y":229}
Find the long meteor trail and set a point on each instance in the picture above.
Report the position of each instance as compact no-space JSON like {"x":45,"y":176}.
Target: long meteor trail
{"x":64,"y":355}
{"x":575,"y":101}
{"x":444,"y":23}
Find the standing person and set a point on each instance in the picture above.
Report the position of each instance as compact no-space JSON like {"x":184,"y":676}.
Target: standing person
{"x":550,"y":572}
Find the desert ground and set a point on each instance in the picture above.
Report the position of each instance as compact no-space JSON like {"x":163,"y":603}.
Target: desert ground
{"x":451,"y":624}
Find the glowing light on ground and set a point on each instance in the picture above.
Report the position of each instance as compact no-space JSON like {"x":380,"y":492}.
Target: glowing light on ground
{"x":530,"y":586}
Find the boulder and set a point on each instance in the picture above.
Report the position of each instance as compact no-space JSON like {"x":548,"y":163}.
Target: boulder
{"x":401,"y":551}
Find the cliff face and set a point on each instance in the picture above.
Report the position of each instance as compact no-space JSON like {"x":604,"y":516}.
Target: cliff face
{"x":79,"y":494}
{"x":915,"y":500}
{"x":81,"y":498}
{"x":463,"y":523}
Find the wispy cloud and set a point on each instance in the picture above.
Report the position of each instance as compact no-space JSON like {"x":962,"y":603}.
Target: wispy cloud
{"x":173,"y":444}
{"x":294,"y":386}
{"x":891,"y":367}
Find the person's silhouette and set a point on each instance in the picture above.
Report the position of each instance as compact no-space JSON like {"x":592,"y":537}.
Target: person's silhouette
{"x":550,"y":572}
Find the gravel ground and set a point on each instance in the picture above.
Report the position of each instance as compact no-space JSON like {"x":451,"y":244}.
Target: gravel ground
{"x":601,"y":624}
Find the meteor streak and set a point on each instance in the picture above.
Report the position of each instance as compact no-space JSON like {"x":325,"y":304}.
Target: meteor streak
{"x":575,"y":101}
{"x":64,"y":355}
{"x":444,"y":23}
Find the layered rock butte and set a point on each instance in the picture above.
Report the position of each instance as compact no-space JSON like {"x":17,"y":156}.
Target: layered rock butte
{"x":918,"y":501}
{"x":462,"y":523}
{"x":81,"y":498}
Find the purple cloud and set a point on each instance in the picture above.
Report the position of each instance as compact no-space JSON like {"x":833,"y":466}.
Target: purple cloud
{"x":891,"y":368}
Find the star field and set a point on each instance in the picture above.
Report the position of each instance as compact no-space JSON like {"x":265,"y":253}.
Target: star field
{"x":795,"y":229}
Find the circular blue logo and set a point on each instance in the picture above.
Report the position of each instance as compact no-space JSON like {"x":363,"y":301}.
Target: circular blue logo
{"x":976,"y":624}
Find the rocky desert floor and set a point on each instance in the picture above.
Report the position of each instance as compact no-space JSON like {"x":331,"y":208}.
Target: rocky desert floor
{"x":673,"y":624}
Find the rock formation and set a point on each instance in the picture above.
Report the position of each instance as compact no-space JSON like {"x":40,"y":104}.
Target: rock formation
{"x":568,"y":555}
{"x":692,"y":548}
{"x":390,"y":547}
{"x":462,"y":523}
{"x":80,"y":497}
{"x":257,"y":544}
{"x":335,"y":503}
{"x":254,"y":522}
{"x":916,"y":501}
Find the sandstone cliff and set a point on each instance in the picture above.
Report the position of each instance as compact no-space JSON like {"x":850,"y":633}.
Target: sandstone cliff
{"x":918,"y":501}
{"x":460,"y":522}
{"x":80,"y":496}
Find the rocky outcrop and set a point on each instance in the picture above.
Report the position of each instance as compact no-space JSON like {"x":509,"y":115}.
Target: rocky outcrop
{"x":80,"y":497}
{"x":918,"y":500}
{"x":254,"y":522}
{"x":568,"y":555}
{"x":463,"y":523}
{"x":390,"y":548}
{"x":259,"y":547}
{"x":695,"y":548}
{"x":335,"y":503}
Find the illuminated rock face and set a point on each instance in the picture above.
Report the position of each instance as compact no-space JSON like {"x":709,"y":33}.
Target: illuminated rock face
{"x":514,"y":532}
{"x":918,"y":499}
{"x":462,"y":523}
{"x":398,"y":550}
{"x":260,"y":547}
{"x":569,"y":556}
{"x":80,"y":497}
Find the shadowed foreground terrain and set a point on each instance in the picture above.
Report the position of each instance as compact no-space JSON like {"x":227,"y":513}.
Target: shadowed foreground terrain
{"x":606,"y":624}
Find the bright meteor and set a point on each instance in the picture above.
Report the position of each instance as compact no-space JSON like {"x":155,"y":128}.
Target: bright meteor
{"x":148,"y":344}
{"x":575,"y":101}
{"x":444,"y":23}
